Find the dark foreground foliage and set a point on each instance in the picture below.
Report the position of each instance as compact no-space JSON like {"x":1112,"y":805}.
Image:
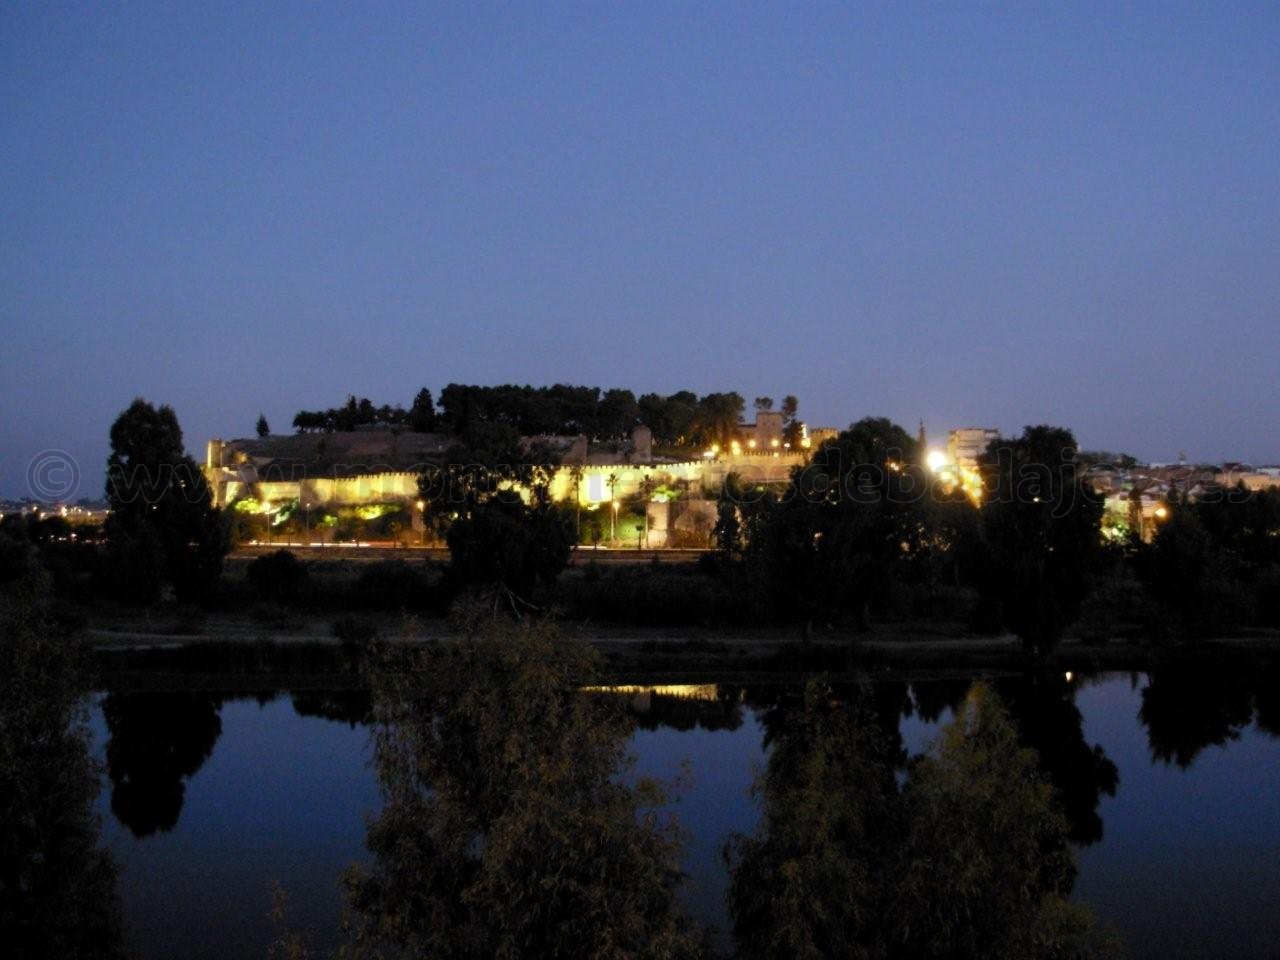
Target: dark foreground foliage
{"x":969,"y":857}
{"x":57,"y":884}
{"x":505,"y":830}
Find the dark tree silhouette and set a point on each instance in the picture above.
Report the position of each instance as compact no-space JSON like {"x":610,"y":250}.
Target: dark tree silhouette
{"x":156,"y":741}
{"x":1041,"y":525}
{"x":57,"y":884}
{"x":1186,"y":711}
{"x":163,"y":526}
{"x":1043,"y":708}
{"x":833,"y":544}
{"x":1194,"y":579}
{"x":422,"y":415}
{"x":278,"y":576}
{"x":493,"y":501}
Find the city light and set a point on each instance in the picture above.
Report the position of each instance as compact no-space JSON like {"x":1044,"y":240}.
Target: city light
{"x":935,"y":460}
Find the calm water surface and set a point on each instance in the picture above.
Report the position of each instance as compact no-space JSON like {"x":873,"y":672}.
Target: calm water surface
{"x":1171,"y":783}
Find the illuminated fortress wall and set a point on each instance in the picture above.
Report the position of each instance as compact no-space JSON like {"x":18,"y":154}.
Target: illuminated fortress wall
{"x":592,"y":483}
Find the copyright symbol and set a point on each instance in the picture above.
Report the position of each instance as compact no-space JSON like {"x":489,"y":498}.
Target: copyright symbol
{"x":53,"y":475}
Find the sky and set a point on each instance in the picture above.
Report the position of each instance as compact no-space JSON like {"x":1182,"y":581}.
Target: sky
{"x":971,"y":214}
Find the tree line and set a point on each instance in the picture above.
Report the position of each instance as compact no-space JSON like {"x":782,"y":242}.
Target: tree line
{"x":679,"y":419}
{"x":862,"y":534}
{"x":355,"y":413}
{"x":854,"y":533}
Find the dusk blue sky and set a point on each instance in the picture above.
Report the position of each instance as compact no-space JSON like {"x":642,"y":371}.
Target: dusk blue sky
{"x":971,"y":214}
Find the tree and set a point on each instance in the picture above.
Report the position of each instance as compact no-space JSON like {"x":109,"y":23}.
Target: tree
{"x":508,"y":547}
{"x":278,"y":577}
{"x":792,"y":428}
{"x":764,"y":403}
{"x":618,"y":413}
{"x":680,"y":410}
{"x":834,"y":543}
{"x":808,"y":883}
{"x":717,"y":418}
{"x":262,"y":427}
{"x":1042,"y":533}
{"x":1193,"y":580}
{"x":493,"y":499}
{"x":58,"y":893}
{"x":163,"y":527}
{"x":985,"y":868}
{"x":422,"y":415}
{"x":505,"y":829}
{"x":968,"y":858}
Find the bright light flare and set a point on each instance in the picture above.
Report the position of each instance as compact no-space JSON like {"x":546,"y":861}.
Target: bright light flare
{"x":936,"y":460}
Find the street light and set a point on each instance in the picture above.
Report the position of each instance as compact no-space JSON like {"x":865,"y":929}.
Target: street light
{"x":613,"y":524}
{"x":422,"y":519}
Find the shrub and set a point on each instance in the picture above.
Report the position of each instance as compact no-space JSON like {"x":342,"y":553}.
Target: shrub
{"x":391,"y":585}
{"x":648,"y":595}
{"x":269,"y":614}
{"x":278,"y":576}
{"x":1108,"y":609}
{"x":1266,"y":595}
{"x":355,"y":631}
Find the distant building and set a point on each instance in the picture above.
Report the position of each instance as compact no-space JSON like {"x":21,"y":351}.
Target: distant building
{"x":766,"y":432}
{"x":817,"y":436}
{"x":966,"y":445}
{"x":383,"y":467}
{"x":1254,"y":478}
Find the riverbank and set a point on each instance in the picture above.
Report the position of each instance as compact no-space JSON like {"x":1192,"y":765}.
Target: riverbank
{"x":305,"y":650}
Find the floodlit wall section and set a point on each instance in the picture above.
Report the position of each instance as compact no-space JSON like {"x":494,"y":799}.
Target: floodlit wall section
{"x":592,"y":483}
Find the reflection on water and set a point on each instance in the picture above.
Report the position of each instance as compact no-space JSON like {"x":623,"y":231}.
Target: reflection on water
{"x":157,"y":741}
{"x":1049,"y":722}
{"x":1187,"y":710}
{"x":502,"y":825}
{"x":967,"y":857}
{"x":352,"y":707}
{"x":705,"y":706}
